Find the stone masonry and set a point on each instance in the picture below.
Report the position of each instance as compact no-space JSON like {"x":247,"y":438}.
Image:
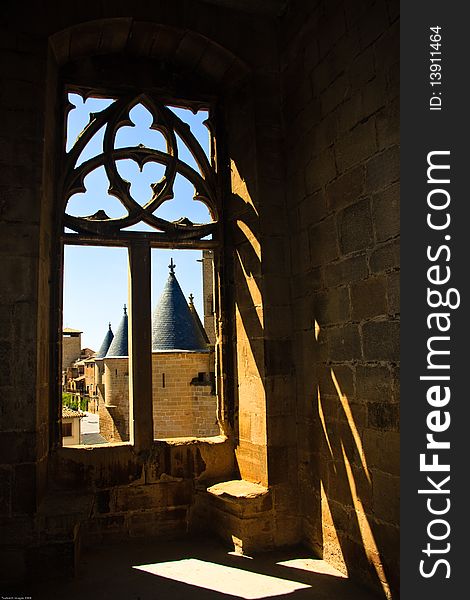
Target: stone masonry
{"x":341,"y":91}
{"x":184,"y":403}
{"x":306,"y":282}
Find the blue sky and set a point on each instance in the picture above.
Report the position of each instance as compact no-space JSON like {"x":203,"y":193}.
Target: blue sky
{"x":95,"y":278}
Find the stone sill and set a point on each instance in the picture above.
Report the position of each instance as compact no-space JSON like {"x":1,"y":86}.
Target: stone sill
{"x":238,"y":488}
{"x":179,"y":441}
{"x":87,"y":447}
{"x":189,"y":441}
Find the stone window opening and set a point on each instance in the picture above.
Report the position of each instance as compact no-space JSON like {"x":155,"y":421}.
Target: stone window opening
{"x":116,"y":215}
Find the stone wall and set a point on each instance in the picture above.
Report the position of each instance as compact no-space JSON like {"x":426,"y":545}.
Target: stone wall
{"x":103,"y":495}
{"x":341,"y":100}
{"x":71,"y":348}
{"x":308,"y":368}
{"x":114,"y":413}
{"x":24,"y":330}
{"x":183,"y":405}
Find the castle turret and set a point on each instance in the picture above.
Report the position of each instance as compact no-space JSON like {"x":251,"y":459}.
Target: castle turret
{"x":108,"y":338}
{"x":114,"y":416}
{"x":119,"y":345}
{"x":173,"y":325}
{"x":196,"y":318}
{"x":99,"y":364}
{"x":184,"y":403}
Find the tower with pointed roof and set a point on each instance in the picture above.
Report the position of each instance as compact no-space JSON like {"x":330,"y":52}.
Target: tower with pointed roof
{"x":175,"y":325}
{"x":108,"y":338}
{"x":184,"y":402}
{"x":71,"y":346}
{"x":119,"y":346}
{"x":98,"y":388}
{"x":114,"y":412}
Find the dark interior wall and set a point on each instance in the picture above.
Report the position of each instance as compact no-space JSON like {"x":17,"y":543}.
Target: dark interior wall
{"x":24,"y":280}
{"x":311,"y":270}
{"x":202,"y":44}
{"x":340,"y":83}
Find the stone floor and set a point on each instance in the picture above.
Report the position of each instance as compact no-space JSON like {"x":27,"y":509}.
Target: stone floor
{"x":197,"y":570}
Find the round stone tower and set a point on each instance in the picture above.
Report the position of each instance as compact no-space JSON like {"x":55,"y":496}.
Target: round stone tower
{"x":184,"y":402}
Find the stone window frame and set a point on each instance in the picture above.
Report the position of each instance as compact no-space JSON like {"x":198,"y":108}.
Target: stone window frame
{"x":139,"y":246}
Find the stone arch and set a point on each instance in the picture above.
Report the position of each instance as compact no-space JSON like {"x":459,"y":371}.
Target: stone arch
{"x":186,"y":52}
{"x":183,"y":63}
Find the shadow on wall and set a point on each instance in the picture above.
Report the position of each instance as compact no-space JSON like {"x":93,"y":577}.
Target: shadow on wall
{"x":348,"y":477}
{"x":339,"y":504}
{"x":245,"y":305}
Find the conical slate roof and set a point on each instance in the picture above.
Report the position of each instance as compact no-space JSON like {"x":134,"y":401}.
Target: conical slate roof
{"x":173,"y":325}
{"x":119,"y":345}
{"x":108,"y":338}
{"x":196,"y":318}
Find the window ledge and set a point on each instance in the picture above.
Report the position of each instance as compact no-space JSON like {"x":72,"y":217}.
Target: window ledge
{"x":238,"y":488}
{"x":188,"y":441}
{"x":179,"y":441}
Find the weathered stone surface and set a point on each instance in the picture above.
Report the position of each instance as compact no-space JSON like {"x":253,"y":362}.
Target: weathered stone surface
{"x":383,"y":416}
{"x":368,"y":298}
{"x":355,"y":227}
{"x":323,"y":242}
{"x":381,"y":340}
{"x":344,"y":343}
{"x":385,"y":257}
{"x":386,"y":213}
{"x":346,"y":189}
{"x":382,"y":450}
{"x":356,"y":146}
{"x":373,"y":383}
{"x":332,"y":306}
{"x":310,"y":281}
{"x":382,"y":170}
{"x":346,"y":270}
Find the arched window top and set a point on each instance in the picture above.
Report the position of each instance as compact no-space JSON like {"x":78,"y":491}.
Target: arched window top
{"x":179,"y":159}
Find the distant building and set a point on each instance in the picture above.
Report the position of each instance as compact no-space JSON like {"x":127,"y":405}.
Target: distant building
{"x":183,"y":381}
{"x":71,"y":429}
{"x":184,"y":400}
{"x":71,"y":346}
{"x":113,"y":406}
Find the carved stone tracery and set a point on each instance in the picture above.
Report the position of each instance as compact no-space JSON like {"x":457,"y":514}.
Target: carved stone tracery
{"x":169,"y":125}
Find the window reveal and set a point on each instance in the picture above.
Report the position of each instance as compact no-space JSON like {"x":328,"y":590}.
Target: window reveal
{"x":100,"y":229}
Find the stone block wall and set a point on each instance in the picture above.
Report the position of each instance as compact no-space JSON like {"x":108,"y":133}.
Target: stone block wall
{"x":341,"y":101}
{"x":114,"y":412}
{"x":24,"y":323}
{"x":112,"y":494}
{"x":71,"y":348}
{"x":183,"y":405}
{"x":114,"y":422}
{"x":116,"y":381}
{"x":310,"y":285}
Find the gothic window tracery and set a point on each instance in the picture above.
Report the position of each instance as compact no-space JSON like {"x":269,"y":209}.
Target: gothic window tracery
{"x":177,"y":134}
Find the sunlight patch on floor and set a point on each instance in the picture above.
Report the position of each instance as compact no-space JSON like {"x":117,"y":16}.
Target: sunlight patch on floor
{"x":312,"y":565}
{"x":223,"y":579}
